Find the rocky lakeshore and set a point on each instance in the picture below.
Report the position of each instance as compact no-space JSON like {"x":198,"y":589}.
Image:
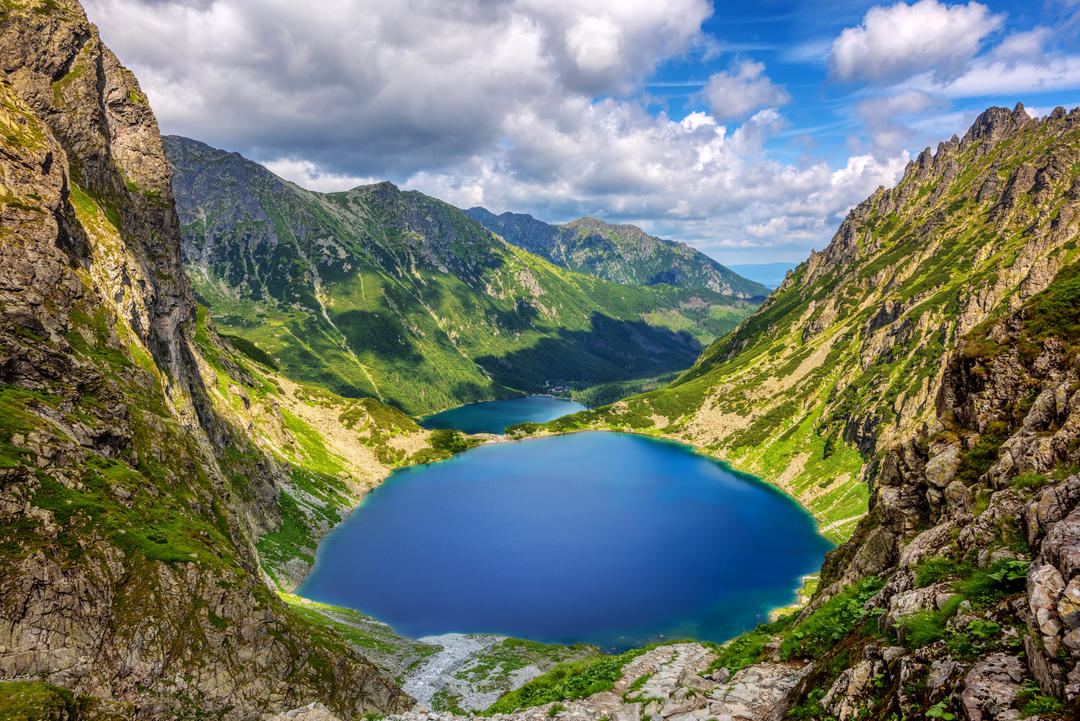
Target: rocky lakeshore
{"x":667,"y":682}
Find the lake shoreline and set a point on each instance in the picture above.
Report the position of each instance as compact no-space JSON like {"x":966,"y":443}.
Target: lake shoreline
{"x":495,"y":416}
{"x":574,"y":483}
{"x":490,"y":439}
{"x":420,"y":419}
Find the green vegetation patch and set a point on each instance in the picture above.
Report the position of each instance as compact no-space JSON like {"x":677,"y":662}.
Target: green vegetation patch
{"x":1054,"y":312}
{"x":931,"y":570}
{"x":832,"y":621}
{"x":251,"y":350}
{"x":293,"y":539}
{"x":749,"y":648}
{"x":981,"y":588}
{"x":35,"y":701}
{"x":1033,"y":702}
{"x":494,"y":667}
{"x":567,"y":682}
{"x":450,"y":441}
{"x":1029,"y":480}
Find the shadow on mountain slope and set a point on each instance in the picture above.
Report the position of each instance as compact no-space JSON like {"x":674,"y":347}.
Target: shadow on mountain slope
{"x":612,"y":350}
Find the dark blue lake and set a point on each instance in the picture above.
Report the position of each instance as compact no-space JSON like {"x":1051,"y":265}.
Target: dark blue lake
{"x":495,"y":416}
{"x":600,"y":537}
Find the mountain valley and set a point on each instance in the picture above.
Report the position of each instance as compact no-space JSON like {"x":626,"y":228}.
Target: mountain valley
{"x":394,"y":295}
{"x":204,"y":368}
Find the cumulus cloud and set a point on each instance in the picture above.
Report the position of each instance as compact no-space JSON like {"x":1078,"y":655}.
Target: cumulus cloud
{"x":993,"y":76}
{"x":743,"y":90}
{"x":524,"y":105}
{"x":693,"y":179}
{"x":809,"y":204}
{"x":884,"y":119}
{"x":368,"y":87}
{"x":1027,"y":45}
{"x":902,"y":40}
{"x":308,"y":175}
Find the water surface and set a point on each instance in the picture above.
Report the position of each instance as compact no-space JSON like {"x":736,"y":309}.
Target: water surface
{"x":600,"y":537}
{"x":495,"y":416}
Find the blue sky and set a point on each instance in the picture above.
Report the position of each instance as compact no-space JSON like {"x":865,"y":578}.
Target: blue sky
{"x":794,"y":39}
{"x":745,"y":129}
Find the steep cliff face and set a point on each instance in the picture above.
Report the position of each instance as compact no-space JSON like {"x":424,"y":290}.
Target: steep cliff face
{"x":93,"y":107}
{"x":970,"y":549}
{"x":395,"y":295}
{"x":621,"y":253}
{"x":845,"y":359}
{"x":134,"y":475}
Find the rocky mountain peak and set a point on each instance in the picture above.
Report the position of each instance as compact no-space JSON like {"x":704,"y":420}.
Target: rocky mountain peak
{"x":623,"y":253}
{"x":590,"y":223}
{"x":995,"y":123}
{"x":95,"y":108}
{"x":381,"y":192}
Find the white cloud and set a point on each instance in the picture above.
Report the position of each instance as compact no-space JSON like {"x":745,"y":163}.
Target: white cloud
{"x":811,"y":51}
{"x":492,"y":103}
{"x":743,"y":90}
{"x":308,"y":175}
{"x":901,"y":40}
{"x":804,"y":211}
{"x":990,"y":76}
{"x":884,"y":118}
{"x":369,"y":87}
{"x":595,"y":44}
{"x":694,"y":180}
{"x":1027,"y":45}
{"x":1019,"y":65}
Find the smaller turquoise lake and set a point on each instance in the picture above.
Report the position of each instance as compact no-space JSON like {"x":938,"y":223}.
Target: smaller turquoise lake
{"x":600,"y":537}
{"x":495,"y":416}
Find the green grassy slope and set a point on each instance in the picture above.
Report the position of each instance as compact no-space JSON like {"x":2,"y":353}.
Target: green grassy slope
{"x":395,"y":295}
{"x":846,"y":356}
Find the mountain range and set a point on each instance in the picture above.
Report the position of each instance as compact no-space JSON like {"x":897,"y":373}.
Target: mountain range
{"x":397,"y":296}
{"x":621,"y":253}
{"x":163,"y":486}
